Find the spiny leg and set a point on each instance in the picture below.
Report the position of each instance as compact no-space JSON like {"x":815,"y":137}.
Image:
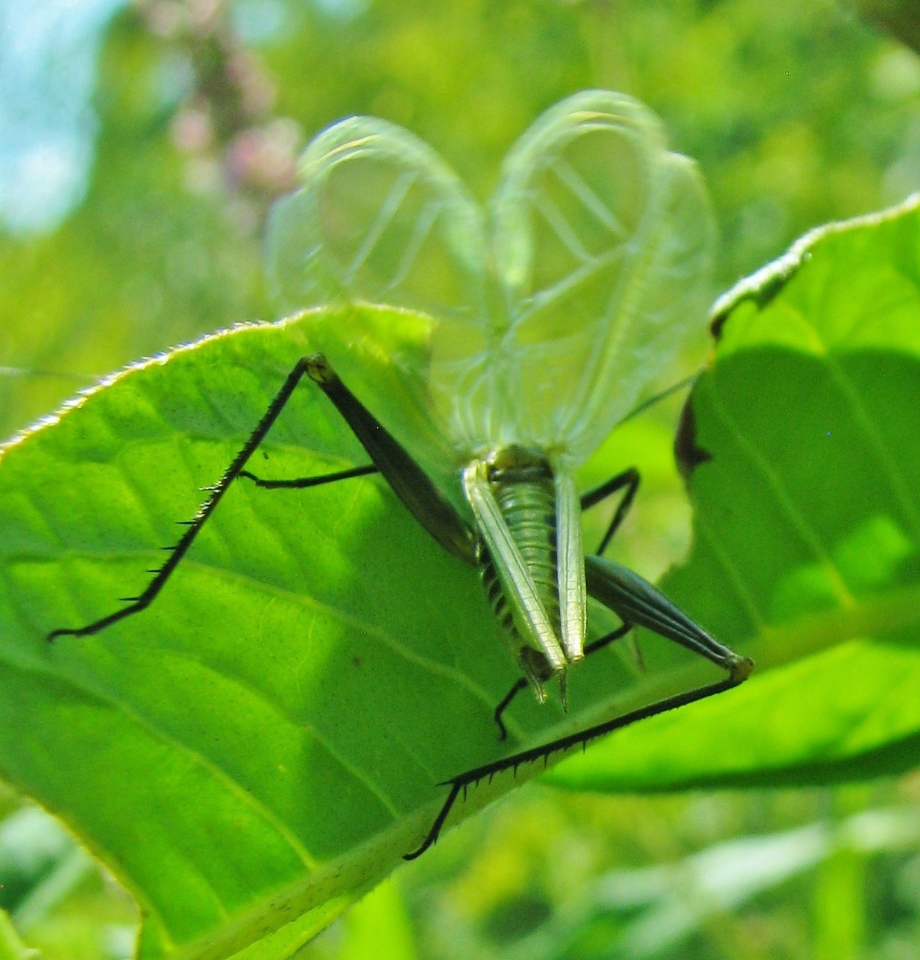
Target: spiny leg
{"x":177,"y":552}
{"x":635,"y":601}
{"x":738,"y":673}
{"x":405,"y":477}
{"x":417,"y":491}
{"x":521,"y":683}
{"x":630,"y":479}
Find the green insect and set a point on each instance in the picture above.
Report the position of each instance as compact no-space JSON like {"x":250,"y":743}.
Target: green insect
{"x":548,"y":315}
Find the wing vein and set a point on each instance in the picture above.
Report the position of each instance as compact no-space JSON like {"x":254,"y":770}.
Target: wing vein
{"x":587,"y":196}
{"x":422,"y":228}
{"x":562,"y":228}
{"x":384,"y":218}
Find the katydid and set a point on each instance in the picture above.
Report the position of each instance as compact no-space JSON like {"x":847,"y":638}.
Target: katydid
{"x":549,"y":316}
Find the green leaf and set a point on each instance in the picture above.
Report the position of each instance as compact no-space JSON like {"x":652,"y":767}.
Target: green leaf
{"x":802,"y":450}
{"x":11,"y":947}
{"x":264,"y":743}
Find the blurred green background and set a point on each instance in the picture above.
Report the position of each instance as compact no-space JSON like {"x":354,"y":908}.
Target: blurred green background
{"x":140,"y":147}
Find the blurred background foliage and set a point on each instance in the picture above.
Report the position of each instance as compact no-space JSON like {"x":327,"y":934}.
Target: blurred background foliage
{"x":140,"y":147}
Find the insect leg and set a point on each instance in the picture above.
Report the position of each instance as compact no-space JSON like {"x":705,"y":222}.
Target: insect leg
{"x":405,"y":476}
{"x":629,"y":479}
{"x":636,"y":600}
{"x":738,"y":673}
{"x":607,"y":639}
{"x":301,"y":483}
{"x":522,"y":684}
{"x":177,"y":552}
{"x":407,"y":479}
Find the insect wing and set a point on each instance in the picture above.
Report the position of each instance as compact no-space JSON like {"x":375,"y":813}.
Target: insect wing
{"x":602,"y":244}
{"x":543,"y":332}
{"x":382,"y":219}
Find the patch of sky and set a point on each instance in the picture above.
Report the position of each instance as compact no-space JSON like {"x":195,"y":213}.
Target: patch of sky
{"x":49,"y":51}
{"x":341,"y":9}
{"x":258,"y":22}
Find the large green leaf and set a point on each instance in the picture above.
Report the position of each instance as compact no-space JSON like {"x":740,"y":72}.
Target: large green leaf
{"x":802,"y":447}
{"x":264,"y":742}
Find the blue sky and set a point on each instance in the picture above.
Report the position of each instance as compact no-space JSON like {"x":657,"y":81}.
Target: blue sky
{"x":48,"y":57}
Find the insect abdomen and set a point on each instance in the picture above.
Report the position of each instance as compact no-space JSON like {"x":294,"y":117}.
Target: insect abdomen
{"x":523,"y":487}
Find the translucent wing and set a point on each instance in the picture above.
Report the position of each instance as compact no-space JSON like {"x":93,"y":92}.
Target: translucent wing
{"x":380,"y":218}
{"x":601,"y":248}
{"x":542,"y":332}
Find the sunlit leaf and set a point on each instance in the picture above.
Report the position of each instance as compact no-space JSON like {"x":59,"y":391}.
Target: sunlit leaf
{"x":265,"y":742}
{"x":803,"y":453}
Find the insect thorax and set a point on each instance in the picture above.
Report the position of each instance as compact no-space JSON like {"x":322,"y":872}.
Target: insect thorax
{"x":522,"y":482}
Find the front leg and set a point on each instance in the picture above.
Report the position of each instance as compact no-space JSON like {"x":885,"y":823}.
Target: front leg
{"x":179,"y":550}
{"x":407,"y":479}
